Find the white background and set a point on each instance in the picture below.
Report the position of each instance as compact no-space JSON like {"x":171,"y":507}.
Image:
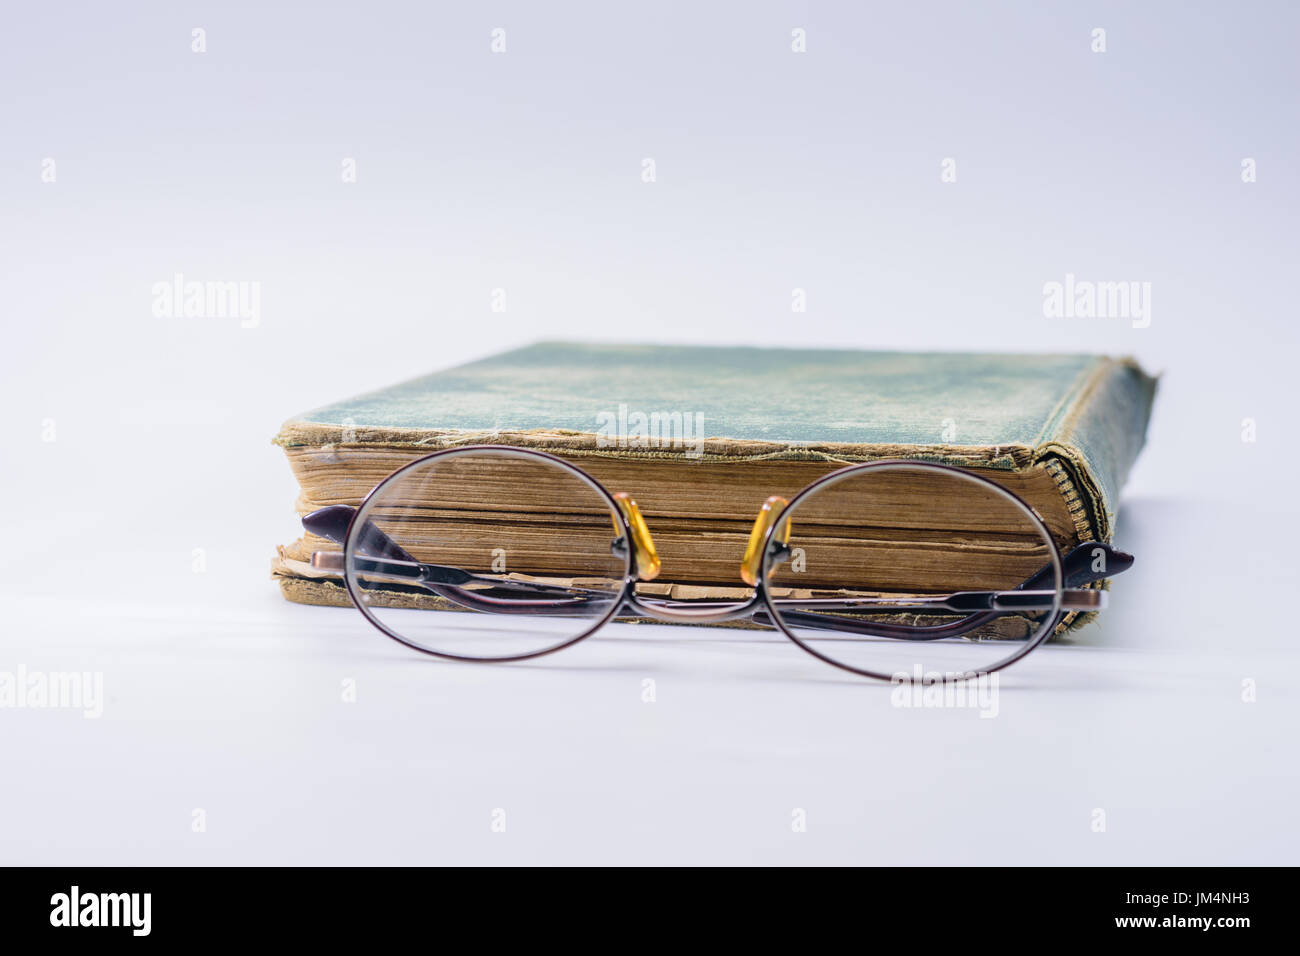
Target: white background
{"x":522,"y":171}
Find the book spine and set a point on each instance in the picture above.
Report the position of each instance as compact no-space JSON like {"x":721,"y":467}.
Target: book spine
{"x":1095,"y":440}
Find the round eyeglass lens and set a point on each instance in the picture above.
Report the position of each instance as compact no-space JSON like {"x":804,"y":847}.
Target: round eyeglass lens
{"x":486,"y":555}
{"x":893,"y":571}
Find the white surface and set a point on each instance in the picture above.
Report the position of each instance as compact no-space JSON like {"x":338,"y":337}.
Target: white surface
{"x":776,"y":171}
{"x":221,"y":696}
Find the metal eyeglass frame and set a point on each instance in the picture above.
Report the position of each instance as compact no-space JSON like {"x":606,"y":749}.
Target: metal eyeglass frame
{"x":1056,"y":588}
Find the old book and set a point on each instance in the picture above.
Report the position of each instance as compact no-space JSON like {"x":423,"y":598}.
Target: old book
{"x":701,"y":436}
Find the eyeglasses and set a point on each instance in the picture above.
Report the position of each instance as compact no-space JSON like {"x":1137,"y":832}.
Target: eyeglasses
{"x":884,"y":569}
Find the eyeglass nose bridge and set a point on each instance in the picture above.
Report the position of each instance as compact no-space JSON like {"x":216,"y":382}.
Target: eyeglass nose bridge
{"x":646,"y":565}
{"x":645,"y":559}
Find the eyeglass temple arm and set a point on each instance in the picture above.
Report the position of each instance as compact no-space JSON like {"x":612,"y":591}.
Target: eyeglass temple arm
{"x":1085,"y":564}
{"x":394,"y":561}
{"x":1088,"y":563}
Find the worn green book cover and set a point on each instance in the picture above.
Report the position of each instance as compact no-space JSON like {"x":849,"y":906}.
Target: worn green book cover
{"x":1067,"y":427}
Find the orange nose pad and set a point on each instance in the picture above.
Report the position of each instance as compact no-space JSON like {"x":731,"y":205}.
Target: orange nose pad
{"x":644,"y":557}
{"x":751,"y":566}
